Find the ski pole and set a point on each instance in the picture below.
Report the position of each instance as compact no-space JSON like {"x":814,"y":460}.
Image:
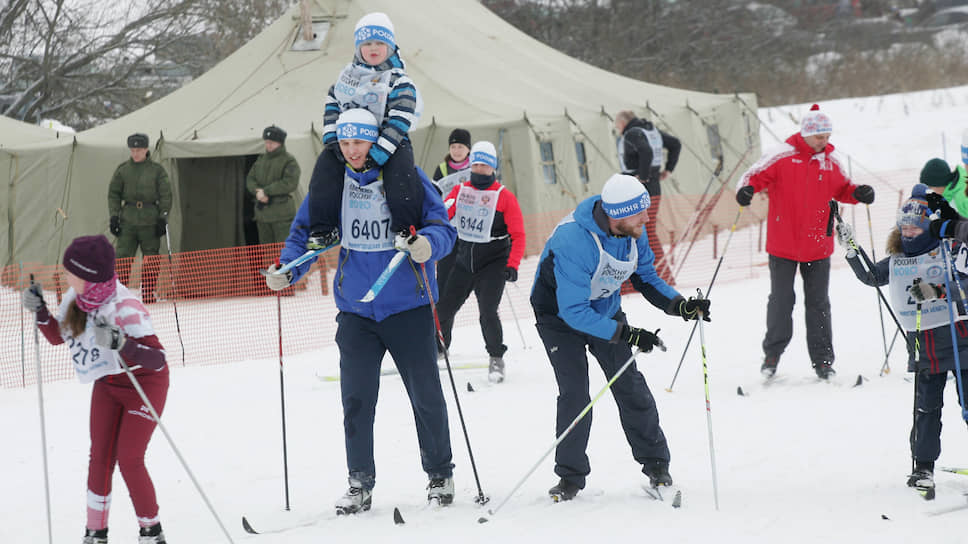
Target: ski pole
{"x":481,"y":498}
{"x":516,"y":322}
{"x":948,"y":270}
{"x":708,"y":289}
{"x":886,"y":367}
{"x":917,"y":380}
{"x":171,"y":442}
{"x":282,"y":398}
{"x":709,"y":410}
{"x":174,"y":303}
{"x":567,"y":431}
{"x":43,"y":425}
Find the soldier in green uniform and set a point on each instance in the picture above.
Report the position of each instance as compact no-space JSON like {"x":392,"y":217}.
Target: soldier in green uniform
{"x":271,"y":181}
{"x":139,"y":198}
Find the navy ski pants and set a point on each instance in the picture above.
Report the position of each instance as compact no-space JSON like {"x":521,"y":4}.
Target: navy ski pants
{"x":409,"y":337}
{"x":779,"y":309}
{"x":636,"y":407}
{"x":926,"y":434}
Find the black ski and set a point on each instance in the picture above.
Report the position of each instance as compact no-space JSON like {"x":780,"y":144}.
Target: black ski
{"x":397,"y":517}
{"x":252,"y":531}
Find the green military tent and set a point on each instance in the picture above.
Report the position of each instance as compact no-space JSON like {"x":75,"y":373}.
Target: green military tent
{"x":548,"y":114}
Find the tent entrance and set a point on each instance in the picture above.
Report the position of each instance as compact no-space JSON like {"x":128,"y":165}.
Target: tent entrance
{"x":216,"y":210}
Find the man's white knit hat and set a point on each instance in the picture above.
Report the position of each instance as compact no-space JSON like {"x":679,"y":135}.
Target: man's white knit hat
{"x":624,"y":196}
{"x":357,"y":124}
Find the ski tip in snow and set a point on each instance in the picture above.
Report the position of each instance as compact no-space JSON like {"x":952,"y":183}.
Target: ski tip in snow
{"x":739,"y":391}
{"x":884,"y":517}
{"x":397,"y":517}
{"x":470,"y":388}
{"x":482,"y":519}
{"x":248,"y":528}
{"x":677,"y":499}
{"x":860,"y":381}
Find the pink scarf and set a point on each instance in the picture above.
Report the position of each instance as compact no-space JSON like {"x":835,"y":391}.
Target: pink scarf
{"x":459,"y":165}
{"x":96,"y":294}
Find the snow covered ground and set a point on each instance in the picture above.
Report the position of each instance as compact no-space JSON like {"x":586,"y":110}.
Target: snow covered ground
{"x":800,"y":461}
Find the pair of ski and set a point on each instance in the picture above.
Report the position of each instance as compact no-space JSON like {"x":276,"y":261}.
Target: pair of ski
{"x":374,"y":290}
{"x":774,"y":380}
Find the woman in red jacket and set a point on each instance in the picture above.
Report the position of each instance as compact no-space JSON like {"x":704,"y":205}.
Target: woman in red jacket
{"x":103,"y":325}
{"x":801,"y":177}
{"x":489,"y":248}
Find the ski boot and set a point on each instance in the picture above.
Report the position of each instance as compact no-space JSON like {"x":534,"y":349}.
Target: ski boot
{"x":151,"y":535}
{"x":824,"y":370}
{"x":99,"y":536}
{"x":495,"y":370}
{"x":563,"y":491}
{"x":922,"y":479}
{"x":441,"y":491}
{"x":356,"y":499}
{"x":768,"y":369}
{"x":658,"y":473}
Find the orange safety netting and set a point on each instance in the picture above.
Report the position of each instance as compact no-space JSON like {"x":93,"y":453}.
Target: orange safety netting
{"x":225,"y":312}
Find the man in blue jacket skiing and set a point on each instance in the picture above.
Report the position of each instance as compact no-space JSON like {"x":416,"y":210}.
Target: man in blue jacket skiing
{"x":398,"y":320}
{"x":577,"y":304}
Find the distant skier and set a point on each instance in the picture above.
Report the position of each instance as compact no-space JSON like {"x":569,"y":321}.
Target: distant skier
{"x":914,"y":271}
{"x":489,"y":248}
{"x":578,"y":306}
{"x":103,"y":324}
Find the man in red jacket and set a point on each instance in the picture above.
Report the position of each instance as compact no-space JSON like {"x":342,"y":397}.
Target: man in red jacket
{"x":489,"y":248}
{"x":801,"y":177}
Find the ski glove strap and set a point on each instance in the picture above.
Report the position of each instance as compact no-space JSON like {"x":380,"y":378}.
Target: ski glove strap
{"x":278,"y":282}
{"x":939,"y":205}
{"x":690,"y":309}
{"x":33,"y":298}
{"x":108,"y":336}
{"x":923,"y":291}
{"x":640,"y":338}
{"x":745,"y":195}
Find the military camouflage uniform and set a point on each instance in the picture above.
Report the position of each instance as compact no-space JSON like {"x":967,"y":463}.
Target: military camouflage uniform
{"x":277,"y":174}
{"x":139,"y":194}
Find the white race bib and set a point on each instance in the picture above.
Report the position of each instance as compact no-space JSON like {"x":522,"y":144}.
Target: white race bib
{"x":361,"y":87}
{"x":475,"y":212}
{"x":447,"y":183}
{"x":930,"y":268}
{"x":365,"y":217}
{"x":611,"y":273}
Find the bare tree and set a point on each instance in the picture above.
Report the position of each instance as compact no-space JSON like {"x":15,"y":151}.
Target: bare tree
{"x":87,"y":61}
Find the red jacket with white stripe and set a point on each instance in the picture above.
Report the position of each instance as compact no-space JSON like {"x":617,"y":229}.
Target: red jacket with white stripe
{"x":800,"y":184}
{"x":508,"y":224}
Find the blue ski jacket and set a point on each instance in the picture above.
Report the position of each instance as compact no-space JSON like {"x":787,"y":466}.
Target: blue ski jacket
{"x":562,"y":284}
{"x":357,"y":270}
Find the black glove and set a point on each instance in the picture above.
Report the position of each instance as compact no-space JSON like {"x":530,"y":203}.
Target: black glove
{"x":370,"y":163}
{"x":334,"y":148}
{"x":511,"y":274}
{"x":33,"y":298}
{"x":641,"y":338}
{"x":690,"y":309}
{"x":161,"y":225}
{"x":942,"y":228}
{"x":923,"y":291}
{"x":115,"y":225}
{"x":939,"y":205}
{"x":745,"y":195}
{"x":864,"y":194}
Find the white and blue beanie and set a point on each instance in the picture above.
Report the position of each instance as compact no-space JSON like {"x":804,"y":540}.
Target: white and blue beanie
{"x":624,"y":196}
{"x":484,"y":153}
{"x":357,"y":124}
{"x":374,"y":26}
